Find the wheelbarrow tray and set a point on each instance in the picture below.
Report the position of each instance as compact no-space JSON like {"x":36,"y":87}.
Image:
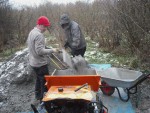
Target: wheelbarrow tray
{"x":119,"y":77}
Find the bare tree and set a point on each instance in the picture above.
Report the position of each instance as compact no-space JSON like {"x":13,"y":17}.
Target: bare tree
{"x":112,"y":23}
{"x":6,"y":24}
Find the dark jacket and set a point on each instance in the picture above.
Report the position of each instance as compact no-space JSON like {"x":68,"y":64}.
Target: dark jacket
{"x":74,"y":37}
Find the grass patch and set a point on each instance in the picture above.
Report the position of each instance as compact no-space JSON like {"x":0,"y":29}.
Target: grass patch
{"x":93,"y":54}
{"x":8,"y":52}
{"x":99,"y":56}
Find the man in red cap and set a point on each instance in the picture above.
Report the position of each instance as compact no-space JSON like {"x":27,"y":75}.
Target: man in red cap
{"x":37,"y":54}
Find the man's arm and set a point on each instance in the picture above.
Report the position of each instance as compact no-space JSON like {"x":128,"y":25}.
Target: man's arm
{"x":40,"y":46}
{"x":76,"y":37}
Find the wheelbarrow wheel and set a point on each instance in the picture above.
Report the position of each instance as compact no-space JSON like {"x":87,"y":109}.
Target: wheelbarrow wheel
{"x":106,"y":89}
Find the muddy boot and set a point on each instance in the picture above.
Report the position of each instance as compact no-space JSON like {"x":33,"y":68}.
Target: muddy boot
{"x":37,"y":95}
{"x":35,"y":102}
{"x":34,"y":109}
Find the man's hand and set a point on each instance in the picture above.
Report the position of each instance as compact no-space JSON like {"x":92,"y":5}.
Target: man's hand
{"x":66,"y":45}
{"x":56,"y":50}
{"x":68,"y":50}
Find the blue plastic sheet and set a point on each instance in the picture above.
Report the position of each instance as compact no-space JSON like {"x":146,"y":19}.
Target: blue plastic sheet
{"x":100,"y":67}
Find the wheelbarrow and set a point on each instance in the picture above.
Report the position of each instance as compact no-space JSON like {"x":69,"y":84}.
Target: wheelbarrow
{"x":112,"y":78}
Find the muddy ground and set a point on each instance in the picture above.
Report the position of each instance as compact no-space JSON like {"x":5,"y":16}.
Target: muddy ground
{"x":17,"y":87}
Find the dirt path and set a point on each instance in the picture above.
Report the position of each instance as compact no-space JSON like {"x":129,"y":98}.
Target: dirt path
{"x":17,"y":87}
{"x":141,"y":100}
{"x":19,"y":98}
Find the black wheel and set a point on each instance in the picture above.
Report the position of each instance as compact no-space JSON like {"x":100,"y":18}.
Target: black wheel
{"x":106,"y":89}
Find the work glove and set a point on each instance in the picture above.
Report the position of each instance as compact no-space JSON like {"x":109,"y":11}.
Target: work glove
{"x":66,"y":45}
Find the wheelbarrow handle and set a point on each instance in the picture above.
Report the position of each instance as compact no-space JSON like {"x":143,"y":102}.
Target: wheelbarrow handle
{"x":147,"y":75}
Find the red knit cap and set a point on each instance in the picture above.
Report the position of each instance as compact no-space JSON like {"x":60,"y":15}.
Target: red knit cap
{"x":43,"y":20}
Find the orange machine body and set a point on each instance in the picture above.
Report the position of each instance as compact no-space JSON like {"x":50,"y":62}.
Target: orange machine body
{"x":69,"y":84}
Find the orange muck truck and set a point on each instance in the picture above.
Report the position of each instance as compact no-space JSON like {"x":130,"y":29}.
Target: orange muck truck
{"x":73,"y":94}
